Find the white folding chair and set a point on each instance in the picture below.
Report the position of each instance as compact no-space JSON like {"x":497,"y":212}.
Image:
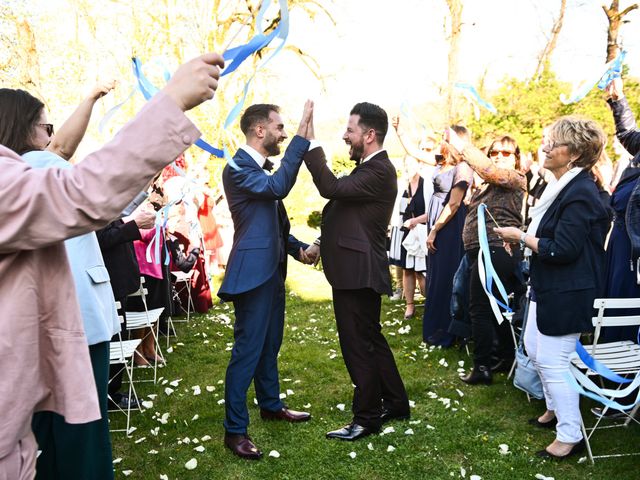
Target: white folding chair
{"x":183,"y":284}
{"x":121,"y":353}
{"x":622,"y":358}
{"x":147,"y":319}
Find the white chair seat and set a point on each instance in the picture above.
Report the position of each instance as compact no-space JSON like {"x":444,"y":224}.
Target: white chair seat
{"x":620,"y":357}
{"x":137,"y":320}
{"x":121,"y":352}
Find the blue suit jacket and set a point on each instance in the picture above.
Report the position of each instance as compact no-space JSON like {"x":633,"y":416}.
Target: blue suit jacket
{"x":259,"y":219}
{"x":567,"y":273}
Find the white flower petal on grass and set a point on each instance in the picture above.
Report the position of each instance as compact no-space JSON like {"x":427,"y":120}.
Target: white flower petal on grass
{"x":370,"y":446}
{"x":289,"y":392}
{"x":152,"y":452}
{"x":283,"y":396}
{"x":195,"y":417}
{"x":443,"y":362}
{"x":307,"y":405}
{"x":210,"y":388}
{"x":389,"y":430}
{"x":175,"y":383}
{"x":164,"y":419}
{"x":408,"y":431}
{"x":206,"y":438}
{"x":131,"y":430}
{"x":168,"y":390}
{"x":117,"y":460}
{"x":274,"y":454}
{"x":152,"y":396}
{"x":199,"y":448}
{"x":221,"y":401}
{"x":154,"y":431}
{"x":169,"y":350}
{"x":460,"y":392}
{"x":475,"y":477}
{"x":196,"y":389}
{"x":504,"y":448}
{"x":463,"y":472}
{"x":163,"y":477}
{"x":412,"y":404}
{"x":147,"y":404}
{"x":540,"y":476}
{"x":220,"y":382}
{"x":461,"y":363}
{"x":191,"y":464}
{"x":140,"y":440}
{"x":126,"y":473}
{"x":340,"y":407}
{"x":352,"y":454}
{"x":431,"y":427}
{"x":390,"y":448}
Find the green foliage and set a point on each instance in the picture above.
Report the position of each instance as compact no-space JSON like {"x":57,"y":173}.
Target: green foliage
{"x":526,"y":107}
{"x":341,"y":165}
{"x":314,"y":220}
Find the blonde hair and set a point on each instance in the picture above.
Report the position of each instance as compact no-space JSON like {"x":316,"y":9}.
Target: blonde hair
{"x":583,"y":137}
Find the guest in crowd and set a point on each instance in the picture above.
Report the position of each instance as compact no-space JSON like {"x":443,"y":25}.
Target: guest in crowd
{"x":502,"y":191}
{"x":445,"y":216}
{"x":566,"y":237}
{"x":39,"y":208}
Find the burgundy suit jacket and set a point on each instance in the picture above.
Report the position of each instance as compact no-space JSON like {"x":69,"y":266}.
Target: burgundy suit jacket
{"x":355,"y":221}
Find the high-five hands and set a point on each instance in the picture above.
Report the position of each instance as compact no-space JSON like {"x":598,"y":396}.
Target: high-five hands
{"x":195,"y":81}
{"x":305,"y":129}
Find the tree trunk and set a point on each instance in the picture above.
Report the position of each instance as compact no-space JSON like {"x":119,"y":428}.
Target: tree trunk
{"x":455,"y":12}
{"x":29,"y":68}
{"x":615,"y":18}
{"x":545,"y":57}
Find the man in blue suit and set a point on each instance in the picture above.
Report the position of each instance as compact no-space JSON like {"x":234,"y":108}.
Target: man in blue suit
{"x":257,"y":266}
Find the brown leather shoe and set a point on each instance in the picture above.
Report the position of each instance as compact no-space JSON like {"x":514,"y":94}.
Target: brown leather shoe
{"x":242,"y":446}
{"x":286,"y":415}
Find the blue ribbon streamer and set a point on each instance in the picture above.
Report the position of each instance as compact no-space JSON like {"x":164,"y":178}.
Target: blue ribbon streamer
{"x":476,"y":96}
{"x":598,"y":367}
{"x":490,"y":272}
{"x":601,"y":79}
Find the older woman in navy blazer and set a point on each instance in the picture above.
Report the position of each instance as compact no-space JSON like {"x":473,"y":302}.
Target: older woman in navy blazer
{"x":566,"y":237}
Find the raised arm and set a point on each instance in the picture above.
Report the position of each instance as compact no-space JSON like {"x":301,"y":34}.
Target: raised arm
{"x":483,"y":166}
{"x":626,"y":128}
{"x":409,"y":150}
{"x":66,"y":140}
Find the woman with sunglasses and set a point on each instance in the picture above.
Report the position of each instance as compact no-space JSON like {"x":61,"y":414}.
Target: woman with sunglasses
{"x":502,"y":191}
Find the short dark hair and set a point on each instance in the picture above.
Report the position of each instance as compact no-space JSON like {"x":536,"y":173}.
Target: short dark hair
{"x":372,"y":116}
{"x":255,"y":114}
{"x":19,"y":113}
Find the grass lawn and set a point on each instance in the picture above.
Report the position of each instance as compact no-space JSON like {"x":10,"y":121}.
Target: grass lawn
{"x":454,"y":432}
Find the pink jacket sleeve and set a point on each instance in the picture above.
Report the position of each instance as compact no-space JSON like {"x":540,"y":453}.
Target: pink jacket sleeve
{"x":45,"y":206}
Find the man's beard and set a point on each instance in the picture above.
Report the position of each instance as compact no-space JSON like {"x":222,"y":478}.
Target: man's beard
{"x":356,"y":152}
{"x":272,"y":146}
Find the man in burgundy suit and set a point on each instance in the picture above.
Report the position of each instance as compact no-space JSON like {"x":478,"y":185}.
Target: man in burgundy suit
{"x":353,"y":251}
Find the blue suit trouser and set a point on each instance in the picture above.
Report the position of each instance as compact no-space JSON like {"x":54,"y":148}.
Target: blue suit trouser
{"x":258,"y":336}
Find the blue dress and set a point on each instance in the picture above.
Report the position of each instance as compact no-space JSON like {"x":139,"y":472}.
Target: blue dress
{"x":621,"y":275}
{"x":442,"y":265}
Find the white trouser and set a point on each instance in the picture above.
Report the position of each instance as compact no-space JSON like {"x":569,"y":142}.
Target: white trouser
{"x":550,"y":355}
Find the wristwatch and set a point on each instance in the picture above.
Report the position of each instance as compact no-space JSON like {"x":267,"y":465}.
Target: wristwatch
{"x":523,"y":237}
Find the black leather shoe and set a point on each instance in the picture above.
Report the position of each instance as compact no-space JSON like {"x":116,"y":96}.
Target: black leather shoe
{"x":576,"y":449}
{"x":537,"y":423}
{"x":242,"y":446}
{"x":351,"y":432}
{"x":479,"y":375}
{"x":388,"y":416}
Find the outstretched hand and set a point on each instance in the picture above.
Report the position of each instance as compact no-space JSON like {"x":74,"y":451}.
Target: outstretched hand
{"x":305,"y":129}
{"x":101,"y":89}
{"x":395,"y":122}
{"x":195,"y":81}
{"x":614,"y":89}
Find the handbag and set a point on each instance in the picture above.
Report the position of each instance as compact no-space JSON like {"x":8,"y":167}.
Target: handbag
{"x":526,"y":376}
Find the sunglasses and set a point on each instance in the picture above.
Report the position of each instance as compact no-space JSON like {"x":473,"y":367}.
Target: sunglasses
{"x":48,"y":127}
{"x":505,"y":153}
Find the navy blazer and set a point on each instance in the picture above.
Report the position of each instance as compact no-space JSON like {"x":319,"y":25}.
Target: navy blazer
{"x":567,"y":273}
{"x":259,"y":219}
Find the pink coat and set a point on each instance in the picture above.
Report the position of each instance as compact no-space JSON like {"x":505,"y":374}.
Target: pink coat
{"x":44,"y":358}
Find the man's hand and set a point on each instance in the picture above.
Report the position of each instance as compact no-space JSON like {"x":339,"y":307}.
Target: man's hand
{"x":144,"y":218}
{"x":303,"y":257}
{"x":195,"y":81}
{"x":307,"y":118}
{"x":313,"y":253}
{"x":101,"y":89}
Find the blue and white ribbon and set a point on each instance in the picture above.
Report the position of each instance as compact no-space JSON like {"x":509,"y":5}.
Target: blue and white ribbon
{"x":601,"y":76}
{"x":488,"y":274}
{"x":474,"y":97}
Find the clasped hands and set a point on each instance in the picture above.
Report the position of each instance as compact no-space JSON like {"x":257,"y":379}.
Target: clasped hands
{"x":310,"y":256}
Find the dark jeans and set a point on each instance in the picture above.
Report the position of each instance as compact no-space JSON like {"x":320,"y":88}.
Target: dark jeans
{"x":484,"y":325}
